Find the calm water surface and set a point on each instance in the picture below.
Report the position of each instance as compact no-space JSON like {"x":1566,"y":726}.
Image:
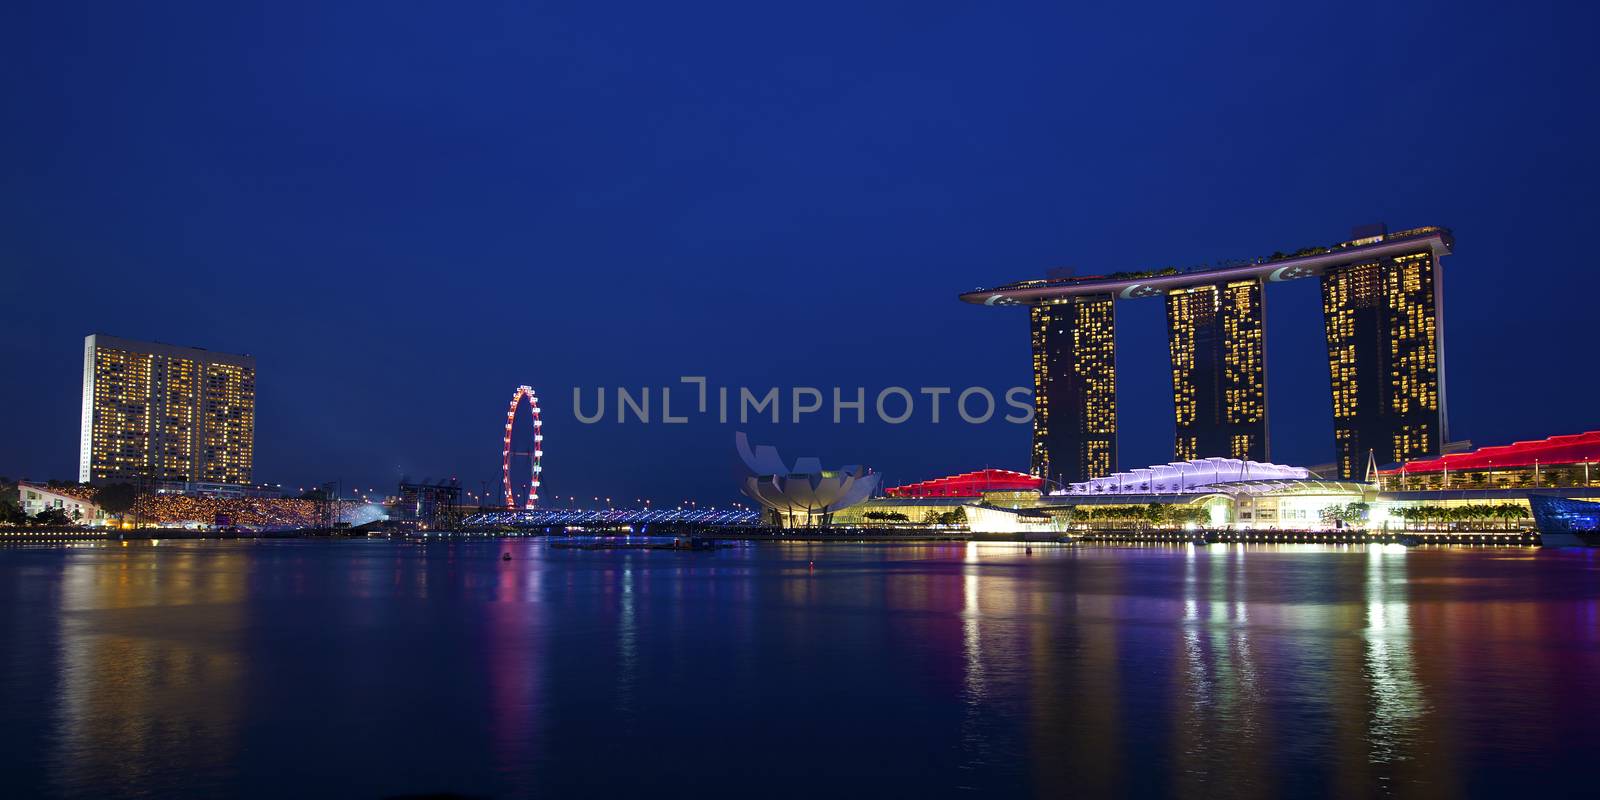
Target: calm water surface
{"x":371,"y":668}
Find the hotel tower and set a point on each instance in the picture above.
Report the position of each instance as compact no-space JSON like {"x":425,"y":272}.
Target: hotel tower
{"x":172,"y":415}
{"x":1381,"y":312}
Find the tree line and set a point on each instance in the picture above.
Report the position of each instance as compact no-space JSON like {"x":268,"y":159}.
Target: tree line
{"x":1150,"y":515}
{"x":1450,"y":516}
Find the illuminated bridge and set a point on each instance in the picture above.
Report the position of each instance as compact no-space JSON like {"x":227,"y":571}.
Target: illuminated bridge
{"x":612,"y":517}
{"x":1381,"y":318}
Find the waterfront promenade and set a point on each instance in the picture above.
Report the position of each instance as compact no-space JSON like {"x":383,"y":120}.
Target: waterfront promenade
{"x":1086,"y":536}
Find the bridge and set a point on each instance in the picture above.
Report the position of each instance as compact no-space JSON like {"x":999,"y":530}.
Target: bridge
{"x":612,"y":517}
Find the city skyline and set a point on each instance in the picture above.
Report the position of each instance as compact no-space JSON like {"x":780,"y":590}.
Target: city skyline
{"x":394,"y":302}
{"x":1186,"y":327}
{"x":1037,"y":399}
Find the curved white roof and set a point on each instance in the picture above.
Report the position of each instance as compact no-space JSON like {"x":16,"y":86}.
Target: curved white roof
{"x":1185,"y":477}
{"x":807,"y":489}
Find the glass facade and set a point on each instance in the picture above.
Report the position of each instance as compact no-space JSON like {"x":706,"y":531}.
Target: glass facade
{"x":165,"y":413}
{"x":1537,"y":476}
{"x":1561,"y":515}
{"x":1216,"y":337}
{"x":1381,"y":322}
{"x":1074,"y":388}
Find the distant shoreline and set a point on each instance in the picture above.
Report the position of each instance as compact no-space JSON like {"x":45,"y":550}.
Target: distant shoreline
{"x":1515,"y":538}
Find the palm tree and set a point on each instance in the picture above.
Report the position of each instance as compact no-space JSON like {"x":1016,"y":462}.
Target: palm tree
{"x":1513,"y":513}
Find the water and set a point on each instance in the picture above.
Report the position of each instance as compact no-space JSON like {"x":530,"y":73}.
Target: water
{"x":371,"y":668}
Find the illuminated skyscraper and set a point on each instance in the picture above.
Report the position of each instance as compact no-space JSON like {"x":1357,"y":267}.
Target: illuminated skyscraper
{"x":1074,"y":388}
{"x":1381,"y":315}
{"x":1384,"y":361}
{"x":163,"y":413}
{"x":1218,"y":370}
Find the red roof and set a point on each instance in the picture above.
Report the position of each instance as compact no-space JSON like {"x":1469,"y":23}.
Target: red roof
{"x":969,"y":484}
{"x":1569,"y":449}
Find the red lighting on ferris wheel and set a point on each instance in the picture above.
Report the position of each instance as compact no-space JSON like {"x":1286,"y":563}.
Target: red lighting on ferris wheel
{"x":537,"y":455}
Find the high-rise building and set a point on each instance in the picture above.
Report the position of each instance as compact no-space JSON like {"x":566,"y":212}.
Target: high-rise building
{"x":1074,"y":388}
{"x":1382,"y":326}
{"x":168,"y":414}
{"x":1381,"y":314}
{"x":1219,"y":390}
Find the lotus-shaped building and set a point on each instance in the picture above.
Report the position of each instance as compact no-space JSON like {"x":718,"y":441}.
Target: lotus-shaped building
{"x":805,"y":495}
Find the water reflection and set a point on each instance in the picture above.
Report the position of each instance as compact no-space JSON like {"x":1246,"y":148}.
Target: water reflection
{"x":1397,"y":705}
{"x":1223,"y":726}
{"x":1189,"y":671}
{"x":513,"y":665}
{"x":627,"y":647}
{"x":971,"y":635}
{"x":149,"y":665}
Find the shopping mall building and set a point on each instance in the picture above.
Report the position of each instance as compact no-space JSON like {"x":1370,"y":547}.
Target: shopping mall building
{"x":1210,"y":492}
{"x":1489,"y":490}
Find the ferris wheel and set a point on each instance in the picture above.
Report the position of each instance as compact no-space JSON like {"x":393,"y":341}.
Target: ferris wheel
{"x":536,"y":455}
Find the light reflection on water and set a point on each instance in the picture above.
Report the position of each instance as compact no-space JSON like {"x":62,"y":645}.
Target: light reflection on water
{"x":136,"y":637}
{"x":371,"y":668}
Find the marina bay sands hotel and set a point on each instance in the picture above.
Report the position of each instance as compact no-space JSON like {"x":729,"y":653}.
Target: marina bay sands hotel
{"x":1381,"y":314}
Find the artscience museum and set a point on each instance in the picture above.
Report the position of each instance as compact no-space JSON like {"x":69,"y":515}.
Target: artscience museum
{"x":805,"y":494}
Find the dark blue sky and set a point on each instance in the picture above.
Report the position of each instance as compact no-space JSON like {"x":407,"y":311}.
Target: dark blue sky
{"x":405,"y":210}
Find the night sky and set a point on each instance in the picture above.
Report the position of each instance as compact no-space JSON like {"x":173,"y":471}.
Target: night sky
{"x":406,"y":210}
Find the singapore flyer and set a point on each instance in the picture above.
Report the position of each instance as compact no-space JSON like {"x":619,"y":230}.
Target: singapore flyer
{"x":534,"y":454}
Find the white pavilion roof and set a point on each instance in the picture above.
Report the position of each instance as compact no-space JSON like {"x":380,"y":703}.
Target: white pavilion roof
{"x":1186,"y":476}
